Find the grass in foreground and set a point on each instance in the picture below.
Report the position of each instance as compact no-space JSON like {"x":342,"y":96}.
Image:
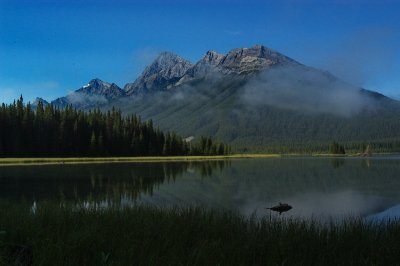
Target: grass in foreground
{"x":75,"y":160}
{"x":192,"y":236}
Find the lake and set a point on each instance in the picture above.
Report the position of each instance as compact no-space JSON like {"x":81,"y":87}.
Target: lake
{"x":316,"y":187}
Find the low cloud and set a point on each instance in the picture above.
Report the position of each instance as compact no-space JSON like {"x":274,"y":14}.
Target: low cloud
{"x":304,"y":89}
{"x":83,"y":99}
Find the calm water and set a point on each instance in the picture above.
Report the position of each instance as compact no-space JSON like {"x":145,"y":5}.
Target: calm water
{"x":315,"y":187}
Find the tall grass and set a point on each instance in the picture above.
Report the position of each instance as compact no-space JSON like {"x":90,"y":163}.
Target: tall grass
{"x":146,"y":235}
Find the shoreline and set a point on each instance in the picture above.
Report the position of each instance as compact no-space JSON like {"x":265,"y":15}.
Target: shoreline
{"x":141,"y":159}
{"x":151,"y":159}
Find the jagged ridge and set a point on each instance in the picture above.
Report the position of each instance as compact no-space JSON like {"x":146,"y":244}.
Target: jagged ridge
{"x":95,"y":93}
{"x":252,"y":98}
{"x":167,"y":69}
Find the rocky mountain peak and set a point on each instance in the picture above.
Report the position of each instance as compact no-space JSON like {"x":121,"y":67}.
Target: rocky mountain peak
{"x":168,"y":65}
{"x":37,"y":101}
{"x":236,"y":61}
{"x":169,"y":70}
{"x":258,"y":57}
{"x":99,"y":87}
{"x":95,"y":93}
{"x":165,"y":70}
{"x":98,"y":83}
{"x":213,"y":58}
{"x":206,"y":65}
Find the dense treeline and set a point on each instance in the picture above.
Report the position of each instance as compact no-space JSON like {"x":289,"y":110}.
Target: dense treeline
{"x":317,"y":146}
{"x":221,"y":110}
{"x":336,"y":148}
{"x":50,"y":131}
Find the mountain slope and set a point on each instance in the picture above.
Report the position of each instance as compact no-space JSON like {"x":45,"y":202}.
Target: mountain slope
{"x":222,"y":111}
{"x":257,"y":99}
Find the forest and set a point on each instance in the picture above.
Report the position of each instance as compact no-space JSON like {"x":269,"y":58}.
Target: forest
{"x":48,"y":131}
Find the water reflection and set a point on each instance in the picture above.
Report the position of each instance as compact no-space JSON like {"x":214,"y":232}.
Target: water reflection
{"x":315,"y":187}
{"x":337,"y":162}
{"x":390,"y":214}
{"x":96,"y":181}
{"x":338,"y":204}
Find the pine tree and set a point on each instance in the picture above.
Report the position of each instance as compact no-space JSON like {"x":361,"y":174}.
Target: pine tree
{"x":221,"y":149}
{"x":93,"y":144}
{"x":49,"y":131}
{"x":336,"y":148}
{"x":100,"y":145}
{"x":1,"y":148}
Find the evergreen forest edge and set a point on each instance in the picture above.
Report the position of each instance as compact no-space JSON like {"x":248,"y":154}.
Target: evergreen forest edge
{"x":49,"y":131}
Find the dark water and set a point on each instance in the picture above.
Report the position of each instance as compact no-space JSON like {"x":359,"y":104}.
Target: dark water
{"x":315,"y":187}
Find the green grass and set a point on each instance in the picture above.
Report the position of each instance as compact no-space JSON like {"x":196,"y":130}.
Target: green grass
{"x":190,"y":236}
{"x":76,"y":160}
{"x":82,"y":160}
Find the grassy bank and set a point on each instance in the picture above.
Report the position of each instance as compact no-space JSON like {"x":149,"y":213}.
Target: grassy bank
{"x":81,"y":160}
{"x":76,"y":160}
{"x":151,"y":236}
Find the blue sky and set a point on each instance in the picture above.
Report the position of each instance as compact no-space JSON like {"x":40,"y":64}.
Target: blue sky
{"x":50,"y":48}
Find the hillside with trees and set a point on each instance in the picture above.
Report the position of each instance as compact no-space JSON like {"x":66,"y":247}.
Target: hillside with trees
{"x":49,"y":131}
{"x":255,"y":99}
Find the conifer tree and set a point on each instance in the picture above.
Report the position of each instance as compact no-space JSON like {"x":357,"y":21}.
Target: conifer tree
{"x":93,"y":144}
{"x":50,"y":131}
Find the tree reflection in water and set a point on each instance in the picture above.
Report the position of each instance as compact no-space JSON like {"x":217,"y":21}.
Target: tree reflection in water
{"x":96,"y":182}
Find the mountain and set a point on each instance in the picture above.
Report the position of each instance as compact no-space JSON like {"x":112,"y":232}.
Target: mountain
{"x":37,"y":100}
{"x":247,"y":60}
{"x":95,"y":93}
{"x":238,"y":61}
{"x":257,"y":99}
{"x":166,"y":70}
{"x":206,"y":66}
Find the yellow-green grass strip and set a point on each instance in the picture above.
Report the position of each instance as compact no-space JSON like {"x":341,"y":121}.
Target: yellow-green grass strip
{"x":77,"y":160}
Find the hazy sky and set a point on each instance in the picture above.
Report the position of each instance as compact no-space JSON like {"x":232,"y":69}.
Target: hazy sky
{"x":50,"y":48}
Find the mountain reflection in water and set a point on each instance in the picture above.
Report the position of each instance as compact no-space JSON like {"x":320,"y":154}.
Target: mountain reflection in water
{"x":315,"y":187}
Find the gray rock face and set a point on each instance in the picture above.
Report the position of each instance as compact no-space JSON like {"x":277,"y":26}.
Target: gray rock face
{"x":245,"y":60}
{"x":237,"y":61}
{"x":99,"y":87}
{"x":207,"y":65}
{"x":96,"y":92}
{"x":166,"y":70}
{"x":169,"y":70}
